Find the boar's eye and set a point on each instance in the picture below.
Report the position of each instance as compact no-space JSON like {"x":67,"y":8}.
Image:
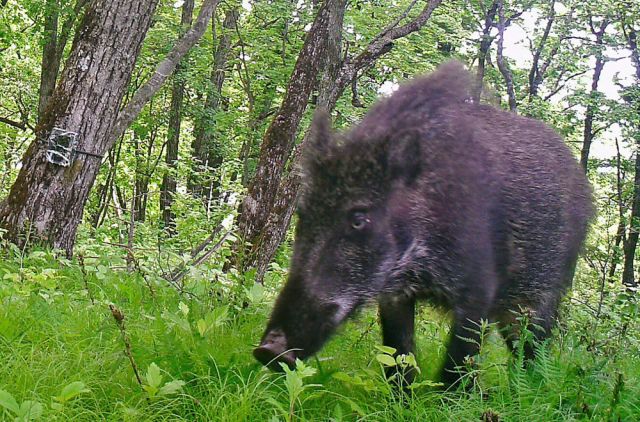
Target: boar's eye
{"x":359,"y":220}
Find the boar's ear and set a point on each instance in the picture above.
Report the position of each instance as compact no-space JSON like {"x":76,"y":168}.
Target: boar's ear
{"x":404,"y":157}
{"x":320,"y":137}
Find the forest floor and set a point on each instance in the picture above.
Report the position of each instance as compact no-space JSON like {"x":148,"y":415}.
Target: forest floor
{"x":63,"y":357}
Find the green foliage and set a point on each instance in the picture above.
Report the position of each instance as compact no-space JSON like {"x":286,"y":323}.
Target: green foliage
{"x":65,"y":353}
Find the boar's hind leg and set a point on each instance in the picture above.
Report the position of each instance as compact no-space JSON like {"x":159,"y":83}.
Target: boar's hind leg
{"x":540,"y":317}
{"x":397,"y":314}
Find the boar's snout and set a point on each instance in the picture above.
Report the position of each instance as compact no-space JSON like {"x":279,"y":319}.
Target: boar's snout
{"x":273,"y":349}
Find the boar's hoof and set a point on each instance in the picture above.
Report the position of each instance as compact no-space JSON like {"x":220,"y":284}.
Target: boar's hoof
{"x":273,"y":350}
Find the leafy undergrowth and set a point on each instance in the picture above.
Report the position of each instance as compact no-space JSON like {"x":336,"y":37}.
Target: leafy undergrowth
{"x":67,"y":355}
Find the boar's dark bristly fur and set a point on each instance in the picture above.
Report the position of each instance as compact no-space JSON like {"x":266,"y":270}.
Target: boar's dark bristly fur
{"x":431,"y":196}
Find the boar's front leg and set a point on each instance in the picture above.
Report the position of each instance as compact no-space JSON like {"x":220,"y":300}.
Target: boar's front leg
{"x":397,"y":314}
{"x":465,"y":334}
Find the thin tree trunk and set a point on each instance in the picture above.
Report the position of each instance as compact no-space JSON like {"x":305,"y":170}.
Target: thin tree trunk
{"x":536,"y":74}
{"x":628,"y":274}
{"x":50,"y":64}
{"x":588,"y":132}
{"x":502,"y":64}
{"x":53,"y":48}
{"x":483,"y":50}
{"x":621,"y":231}
{"x":206,"y":152}
{"x":169,"y":183}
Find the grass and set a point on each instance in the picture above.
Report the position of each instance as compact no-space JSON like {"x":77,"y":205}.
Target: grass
{"x":194,"y":357}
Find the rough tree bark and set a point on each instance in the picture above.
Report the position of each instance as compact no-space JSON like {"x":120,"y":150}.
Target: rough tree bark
{"x":169,"y":184}
{"x":266,"y":242}
{"x":206,"y":153}
{"x":280,"y":136}
{"x":46,"y":201}
{"x":53,"y":48}
{"x":588,"y":132}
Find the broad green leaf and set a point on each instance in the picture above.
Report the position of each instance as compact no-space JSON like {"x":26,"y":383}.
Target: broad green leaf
{"x":341,"y":376}
{"x":183,"y":308}
{"x":9,"y":402}
{"x":154,"y":377}
{"x":386,"y":349}
{"x":152,"y":391}
{"x":386,"y":360}
{"x":71,"y":391}
{"x":30,"y":410}
{"x":171,"y":387}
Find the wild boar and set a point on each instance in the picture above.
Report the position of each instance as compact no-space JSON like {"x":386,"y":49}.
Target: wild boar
{"x":431,"y":196}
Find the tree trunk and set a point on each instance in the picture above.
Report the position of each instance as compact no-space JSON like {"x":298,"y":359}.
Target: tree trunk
{"x":206,"y":152}
{"x":502,"y":64}
{"x":588,"y":133}
{"x":46,"y":201}
{"x":50,"y":66}
{"x":169,"y":183}
{"x":536,"y":74}
{"x":280,"y":136}
{"x":483,"y":51}
{"x":628,"y":274}
{"x":621,"y":231}
{"x":53,"y":48}
{"x":280,"y":217}
{"x":266,"y":242}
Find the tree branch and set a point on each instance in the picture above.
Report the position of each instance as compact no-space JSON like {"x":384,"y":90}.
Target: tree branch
{"x":164,"y":69}
{"x":18,"y":125}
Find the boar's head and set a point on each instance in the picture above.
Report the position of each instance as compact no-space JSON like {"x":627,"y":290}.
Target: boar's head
{"x":357,"y":215}
{"x":353,"y":231}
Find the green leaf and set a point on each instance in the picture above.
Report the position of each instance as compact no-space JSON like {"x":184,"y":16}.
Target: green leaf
{"x":341,"y":376}
{"x":154,"y":377}
{"x":150,"y":390}
{"x":386,"y":349}
{"x":171,"y":387}
{"x":202,"y":327}
{"x":72,"y":390}
{"x":9,"y":402}
{"x":256,"y":293}
{"x":30,"y":410}
{"x":354,"y":406}
{"x":386,"y":360}
{"x":183,"y":308}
